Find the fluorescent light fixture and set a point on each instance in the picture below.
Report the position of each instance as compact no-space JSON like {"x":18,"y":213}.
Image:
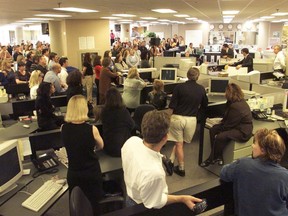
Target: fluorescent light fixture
{"x":227,"y":20}
{"x":38,"y":19}
{"x":276,"y":21}
{"x":25,"y":21}
{"x":284,"y":20}
{"x":164,"y":23}
{"x":228,"y":16}
{"x":73,"y":9}
{"x":267,"y":17}
{"x":124,"y":15}
{"x":142,"y":21}
{"x":164,"y":10}
{"x":154,"y":22}
{"x":181,"y":15}
{"x":257,"y":20}
{"x":202,"y":21}
{"x":181,"y":22}
{"x":125,"y":20}
{"x":191,"y":18}
{"x":229,"y":12}
{"x":148,"y":18}
{"x":280,"y":14}
{"x":53,"y":15}
{"x":164,"y":20}
{"x":110,"y":17}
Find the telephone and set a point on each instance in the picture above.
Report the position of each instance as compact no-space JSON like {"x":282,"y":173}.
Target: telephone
{"x":259,"y":115}
{"x":44,"y":163}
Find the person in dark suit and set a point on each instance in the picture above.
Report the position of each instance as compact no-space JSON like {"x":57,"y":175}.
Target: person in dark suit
{"x":236,"y":125}
{"x":247,"y":61}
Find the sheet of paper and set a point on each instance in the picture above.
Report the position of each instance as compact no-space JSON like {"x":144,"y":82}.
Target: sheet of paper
{"x":82,"y":43}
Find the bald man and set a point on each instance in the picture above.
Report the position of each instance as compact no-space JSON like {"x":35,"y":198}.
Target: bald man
{"x":52,"y":77}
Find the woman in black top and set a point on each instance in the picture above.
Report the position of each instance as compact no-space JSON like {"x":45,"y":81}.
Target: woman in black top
{"x":117,"y":123}
{"x":87,"y":72}
{"x":46,"y":118}
{"x":157,"y":97}
{"x":74,"y":82}
{"x":81,"y":141}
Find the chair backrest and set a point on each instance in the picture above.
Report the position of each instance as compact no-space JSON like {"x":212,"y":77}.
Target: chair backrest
{"x":140,"y":112}
{"x":79,"y":204}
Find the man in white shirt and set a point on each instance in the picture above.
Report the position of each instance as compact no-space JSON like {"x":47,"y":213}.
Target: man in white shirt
{"x":142,"y":164}
{"x":63,"y":74}
{"x":279,"y":66}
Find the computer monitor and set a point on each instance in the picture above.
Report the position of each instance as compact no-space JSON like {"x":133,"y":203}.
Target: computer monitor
{"x":10,"y":166}
{"x":168,"y":74}
{"x":285,"y":102}
{"x":16,"y":89}
{"x":146,"y":76}
{"x":217,"y":86}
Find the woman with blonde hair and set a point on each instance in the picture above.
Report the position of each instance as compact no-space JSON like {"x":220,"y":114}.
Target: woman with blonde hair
{"x":157,"y":97}
{"x":35,"y":79}
{"x":132,"y":89}
{"x":81,"y":141}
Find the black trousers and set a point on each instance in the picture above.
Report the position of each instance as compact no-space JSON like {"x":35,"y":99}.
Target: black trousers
{"x":219,"y":138}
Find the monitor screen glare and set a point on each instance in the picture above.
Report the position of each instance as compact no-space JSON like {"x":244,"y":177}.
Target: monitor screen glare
{"x":168,"y":74}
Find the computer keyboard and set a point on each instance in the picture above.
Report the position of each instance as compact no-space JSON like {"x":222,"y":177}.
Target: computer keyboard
{"x":40,"y":197}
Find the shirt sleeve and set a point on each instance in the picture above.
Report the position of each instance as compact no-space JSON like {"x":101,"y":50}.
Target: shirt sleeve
{"x":154,"y":193}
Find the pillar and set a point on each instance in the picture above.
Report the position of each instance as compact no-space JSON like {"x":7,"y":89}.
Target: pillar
{"x":125,"y":32}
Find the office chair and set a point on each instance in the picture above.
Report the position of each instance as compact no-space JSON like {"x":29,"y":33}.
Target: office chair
{"x":139,"y":113}
{"x":79,"y":204}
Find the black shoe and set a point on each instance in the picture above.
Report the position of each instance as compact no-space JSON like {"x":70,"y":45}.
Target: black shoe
{"x":168,"y":165}
{"x":179,"y":172}
{"x":206,"y":163}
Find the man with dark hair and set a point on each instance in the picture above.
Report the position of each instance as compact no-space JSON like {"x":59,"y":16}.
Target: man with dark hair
{"x":142,"y":164}
{"x":41,"y":64}
{"x":247,"y":61}
{"x":186,"y":100}
{"x":260,"y":183}
{"x":226,"y":52}
{"x":17,"y":52}
{"x":29,"y":61}
{"x":45,"y":53}
{"x":53,"y":59}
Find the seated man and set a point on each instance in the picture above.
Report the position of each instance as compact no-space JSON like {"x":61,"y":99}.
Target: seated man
{"x":260,"y":183}
{"x":247,"y":61}
{"x":52,"y":77}
{"x":142,"y":164}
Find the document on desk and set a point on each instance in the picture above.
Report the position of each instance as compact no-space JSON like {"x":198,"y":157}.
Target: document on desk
{"x":24,"y":144}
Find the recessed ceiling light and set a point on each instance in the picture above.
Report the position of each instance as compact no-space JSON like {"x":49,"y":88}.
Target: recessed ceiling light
{"x":228,"y":12}
{"x":164,"y":11}
{"x":181,"y":15}
{"x":112,"y":18}
{"x":25,"y":21}
{"x":164,"y":20}
{"x":124,"y":15}
{"x":148,"y":18}
{"x":191,"y":18}
{"x":52,"y":15}
{"x":38,"y":19}
{"x":280,"y":14}
{"x":74,"y":9}
{"x":267,"y":17}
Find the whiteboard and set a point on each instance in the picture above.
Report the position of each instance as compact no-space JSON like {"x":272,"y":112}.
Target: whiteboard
{"x":193,"y":36}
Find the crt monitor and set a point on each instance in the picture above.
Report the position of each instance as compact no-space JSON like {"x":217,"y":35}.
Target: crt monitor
{"x":168,"y":74}
{"x":146,"y":76}
{"x":217,"y":86}
{"x":16,"y":89}
{"x":10,"y":166}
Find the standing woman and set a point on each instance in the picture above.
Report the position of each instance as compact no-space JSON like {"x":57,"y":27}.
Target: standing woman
{"x":236,"y":125}
{"x":132,"y":89}
{"x":81,"y":141}
{"x":97,"y":69}
{"x":105,"y":79}
{"x":74,"y":82}
{"x":115,"y":134}
{"x":120,"y":64}
{"x":87,"y":72}
{"x":46,"y":118}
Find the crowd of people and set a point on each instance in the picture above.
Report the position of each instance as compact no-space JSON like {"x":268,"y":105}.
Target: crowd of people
{"x":46,"y":74}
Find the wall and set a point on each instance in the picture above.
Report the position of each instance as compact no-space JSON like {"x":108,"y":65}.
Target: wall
{"x":167,"y":29}
{"x":99,"y":29}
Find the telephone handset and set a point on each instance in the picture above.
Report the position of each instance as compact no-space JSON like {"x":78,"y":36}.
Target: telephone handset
{"x":259,"y":115}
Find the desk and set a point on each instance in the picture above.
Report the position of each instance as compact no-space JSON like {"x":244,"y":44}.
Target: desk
{"x":17,"y":131}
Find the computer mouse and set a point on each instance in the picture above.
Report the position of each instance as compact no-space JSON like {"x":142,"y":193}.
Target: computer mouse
{"x":26,"y":126}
